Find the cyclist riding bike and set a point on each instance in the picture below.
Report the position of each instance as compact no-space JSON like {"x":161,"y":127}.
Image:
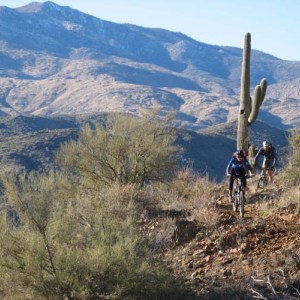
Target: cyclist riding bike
{"x":270,"y":159}
{"x":237,"y":168}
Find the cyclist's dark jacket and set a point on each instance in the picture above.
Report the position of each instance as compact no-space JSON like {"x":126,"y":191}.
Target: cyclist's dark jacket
{"x":270,"y":155}
{"x":237,"y":168}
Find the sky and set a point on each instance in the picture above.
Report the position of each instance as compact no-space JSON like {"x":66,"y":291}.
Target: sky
{"x":274,"y":24}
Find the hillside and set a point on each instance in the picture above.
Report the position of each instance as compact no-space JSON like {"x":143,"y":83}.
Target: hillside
{"x":227,"y":257}
{"x":57,"y":60}
{"x":173,"y":237}
{"x":259,"y":131}
{"x":209,"y":251}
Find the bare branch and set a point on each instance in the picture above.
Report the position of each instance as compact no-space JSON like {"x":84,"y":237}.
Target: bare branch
{"x":271,"y":286}
{"x":258,"y":295}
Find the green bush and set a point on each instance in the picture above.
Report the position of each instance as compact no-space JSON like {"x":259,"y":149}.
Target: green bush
{"x":75,"y":244}
{"x":127,"y":150}
{"x":76,"y":234}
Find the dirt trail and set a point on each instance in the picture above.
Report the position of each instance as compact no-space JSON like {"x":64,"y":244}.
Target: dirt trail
{"x":242,"y":254}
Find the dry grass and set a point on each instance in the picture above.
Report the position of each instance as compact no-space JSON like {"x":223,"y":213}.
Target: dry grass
{"x":287,"y":183}
{"x":192,"y":193}
{"x":290,"y":201}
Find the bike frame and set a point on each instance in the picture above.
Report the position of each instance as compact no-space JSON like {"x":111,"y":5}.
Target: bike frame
{"x":239,"y":196}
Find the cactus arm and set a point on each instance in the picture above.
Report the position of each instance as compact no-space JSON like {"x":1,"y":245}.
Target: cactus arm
{"x":263,"y":85}
{"x":256,"y":102}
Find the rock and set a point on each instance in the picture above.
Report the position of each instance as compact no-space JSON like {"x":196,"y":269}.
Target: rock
{"x":228,"y":261}
{"x":288,"y":217}
{"x":207,"y":258}
{"x":245,"y":247}
{"x":198,"y":252}
{"x":207,"y":249}
{"x":195,"y":274}
{"x":227,"y":273}
{"x":184,"y":232}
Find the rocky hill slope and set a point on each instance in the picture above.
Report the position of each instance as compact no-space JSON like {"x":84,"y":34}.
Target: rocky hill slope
{"x":57,"y":60}
{"x":227,"y":257}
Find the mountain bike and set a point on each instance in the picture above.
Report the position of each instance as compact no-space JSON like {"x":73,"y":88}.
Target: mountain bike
{"x":263,"y":178}
{"x":238,"y":196}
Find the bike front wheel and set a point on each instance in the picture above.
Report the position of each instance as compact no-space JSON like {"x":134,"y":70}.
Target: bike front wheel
{"x":262,"y":182}
{"x":235,"y":202}
{"x":242,"y":204}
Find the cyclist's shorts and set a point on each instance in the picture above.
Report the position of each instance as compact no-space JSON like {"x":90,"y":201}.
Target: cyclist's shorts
{"x":267,"y":163}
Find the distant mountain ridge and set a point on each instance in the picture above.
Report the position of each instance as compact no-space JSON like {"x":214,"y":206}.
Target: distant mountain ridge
{"x":58,"y":60}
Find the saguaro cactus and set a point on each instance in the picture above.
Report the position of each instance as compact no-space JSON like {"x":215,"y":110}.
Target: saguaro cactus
{"x":249,"y":107}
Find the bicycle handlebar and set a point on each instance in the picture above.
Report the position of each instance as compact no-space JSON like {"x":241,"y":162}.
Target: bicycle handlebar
{"x":247,"y":176}
{"x":261,"y":168}
{"x":250,"y":176}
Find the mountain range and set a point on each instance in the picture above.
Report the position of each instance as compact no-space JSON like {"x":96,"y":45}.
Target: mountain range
{"x":58,"y":60}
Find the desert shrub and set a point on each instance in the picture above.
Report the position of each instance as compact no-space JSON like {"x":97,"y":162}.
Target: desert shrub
{"x":291,"y":174}
{"x":190,"y":192}
{"x":127,"y":150}
{"x":288,"y":202}
{"x":288,"y":182}
{"x":73,"y":243}
{"x":189,"y":184}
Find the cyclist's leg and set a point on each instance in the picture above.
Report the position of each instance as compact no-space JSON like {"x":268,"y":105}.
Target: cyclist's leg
{"x":231,"y":180}
{"x":244,"y":182}
{"x":268,"y":166}
{"x":270,"y":171}
{"x":265,"y":167}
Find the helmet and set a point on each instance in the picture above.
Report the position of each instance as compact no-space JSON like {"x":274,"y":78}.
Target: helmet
{"x":239,"y":153}
{"x":266,"y":144}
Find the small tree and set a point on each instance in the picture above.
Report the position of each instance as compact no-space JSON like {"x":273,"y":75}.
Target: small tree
{"x":127,"y":150}
{"x":78,"y":243}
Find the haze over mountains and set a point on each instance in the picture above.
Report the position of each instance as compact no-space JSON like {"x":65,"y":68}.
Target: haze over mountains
{"x":57,"y":60}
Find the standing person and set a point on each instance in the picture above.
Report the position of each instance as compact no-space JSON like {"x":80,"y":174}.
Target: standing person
{"x":270,"y":158}
{"x":237,"y":168}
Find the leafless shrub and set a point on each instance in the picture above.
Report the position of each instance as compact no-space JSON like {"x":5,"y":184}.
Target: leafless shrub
{"x":275,"y":287}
